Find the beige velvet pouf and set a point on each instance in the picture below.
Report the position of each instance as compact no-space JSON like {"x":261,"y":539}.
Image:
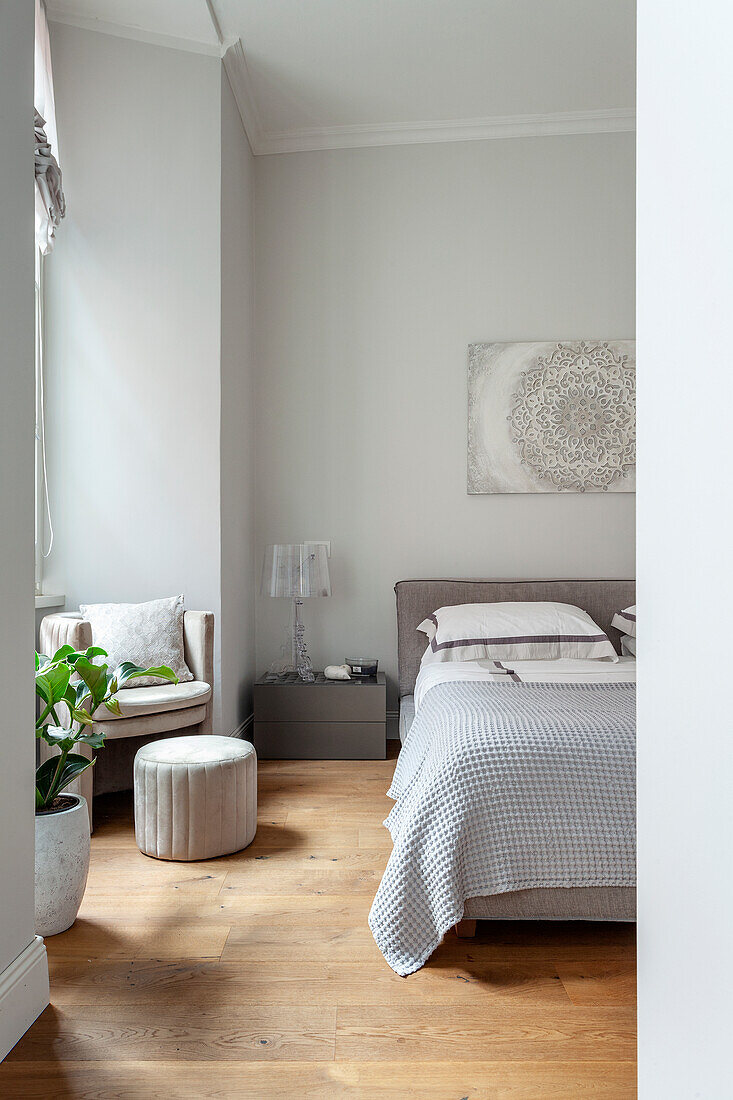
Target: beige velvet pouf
{"x":195,"y":797}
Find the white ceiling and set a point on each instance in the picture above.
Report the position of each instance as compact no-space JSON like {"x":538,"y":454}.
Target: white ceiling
{"x":330,"y":73}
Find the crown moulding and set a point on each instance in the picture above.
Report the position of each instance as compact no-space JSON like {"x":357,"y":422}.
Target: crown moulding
{"x":69,"y":18}
{"x":264,"y":142}
{"x":467,"y":129}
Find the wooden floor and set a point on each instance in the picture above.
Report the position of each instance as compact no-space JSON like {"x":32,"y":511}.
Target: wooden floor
{"x":256,"y":975}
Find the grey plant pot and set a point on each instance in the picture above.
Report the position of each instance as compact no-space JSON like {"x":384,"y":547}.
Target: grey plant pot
{"x":62,"y":866}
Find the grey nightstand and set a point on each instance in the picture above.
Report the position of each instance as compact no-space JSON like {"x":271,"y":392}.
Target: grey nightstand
{"x":325,"y":720}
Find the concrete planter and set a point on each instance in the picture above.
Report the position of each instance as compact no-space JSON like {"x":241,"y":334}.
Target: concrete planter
{"x":62,"y":865}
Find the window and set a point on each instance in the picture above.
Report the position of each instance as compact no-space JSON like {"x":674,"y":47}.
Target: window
{"x":44,"y":536}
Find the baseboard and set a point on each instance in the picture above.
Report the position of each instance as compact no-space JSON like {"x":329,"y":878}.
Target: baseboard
{"x":23,"y":994}
{"x":243,"y":727}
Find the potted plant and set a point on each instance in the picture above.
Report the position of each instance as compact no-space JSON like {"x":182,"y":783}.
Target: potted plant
{"x":71,"y":688}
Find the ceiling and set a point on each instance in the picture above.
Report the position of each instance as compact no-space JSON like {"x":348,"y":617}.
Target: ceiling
{"x":315,"y":74}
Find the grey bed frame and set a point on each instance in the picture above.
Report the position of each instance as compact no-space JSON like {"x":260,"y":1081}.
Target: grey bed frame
{"x":416,"y":599}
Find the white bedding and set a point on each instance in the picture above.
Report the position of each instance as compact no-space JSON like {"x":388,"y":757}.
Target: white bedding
{"x":566,"y":670}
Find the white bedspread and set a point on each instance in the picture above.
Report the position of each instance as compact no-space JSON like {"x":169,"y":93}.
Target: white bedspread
{"x":567,"y":670}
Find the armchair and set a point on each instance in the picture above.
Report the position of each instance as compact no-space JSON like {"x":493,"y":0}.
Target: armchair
{"x":148,"y":712}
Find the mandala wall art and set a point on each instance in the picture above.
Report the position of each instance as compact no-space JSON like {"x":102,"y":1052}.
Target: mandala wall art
{"x":552,"y":417}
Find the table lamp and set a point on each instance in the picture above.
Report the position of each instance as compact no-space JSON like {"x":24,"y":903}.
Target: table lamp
{"x":297,"y":570}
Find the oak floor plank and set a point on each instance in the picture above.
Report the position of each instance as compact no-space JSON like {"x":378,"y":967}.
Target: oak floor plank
{"x":311,"y":857}
{"x":241,"y":910}
{"x":594,"y":981}
{"x":137,"y":938}
{"x":274,"y":942}
{"x":94,"y":1033}
{"x":273,"y":880}
{"x":321,"y":1081}
{"x":280,"y":837}
{"x":481,"y":1034}
{"x":211,"y":983}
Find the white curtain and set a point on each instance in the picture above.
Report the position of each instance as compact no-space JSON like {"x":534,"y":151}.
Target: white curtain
{"x":50,"y":202}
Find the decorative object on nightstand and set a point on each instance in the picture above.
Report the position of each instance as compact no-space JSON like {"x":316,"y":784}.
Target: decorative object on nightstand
{"x":297,"y":570}
{"x":322,"y":720}
{"x":337,"y":672}
{"x":362,"y":666}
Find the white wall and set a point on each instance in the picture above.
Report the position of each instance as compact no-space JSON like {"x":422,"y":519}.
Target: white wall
{"x":133,"y":322}
{"x":685,"y":755}
{"x":21,"y":997}
{"x":375,"y":269}
{"x":237,"y":415}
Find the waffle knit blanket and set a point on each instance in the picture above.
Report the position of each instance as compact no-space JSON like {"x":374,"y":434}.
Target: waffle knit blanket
{"x":505,"y":786}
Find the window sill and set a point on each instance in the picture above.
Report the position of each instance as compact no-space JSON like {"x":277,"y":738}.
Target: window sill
{"x":50,"y":601}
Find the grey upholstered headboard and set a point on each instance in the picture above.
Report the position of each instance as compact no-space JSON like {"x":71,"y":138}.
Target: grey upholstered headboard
{"x":418,"y":599}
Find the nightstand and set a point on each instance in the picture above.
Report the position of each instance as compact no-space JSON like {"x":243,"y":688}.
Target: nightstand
{"x":324,"y":720}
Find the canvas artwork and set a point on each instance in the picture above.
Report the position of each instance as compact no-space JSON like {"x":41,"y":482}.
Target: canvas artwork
{"x":548,"y":417}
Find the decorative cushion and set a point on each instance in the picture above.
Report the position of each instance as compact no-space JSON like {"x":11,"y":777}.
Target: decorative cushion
{"x":147,"y":634}
{"x":195,"y":797}
{"x":156,"y":700}
{"x":625,"y":621}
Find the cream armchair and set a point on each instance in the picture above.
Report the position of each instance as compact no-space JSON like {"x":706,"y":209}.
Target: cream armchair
{"x":147,"y":712}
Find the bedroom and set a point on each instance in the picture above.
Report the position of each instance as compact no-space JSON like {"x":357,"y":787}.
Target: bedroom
{"x":299,"y":241}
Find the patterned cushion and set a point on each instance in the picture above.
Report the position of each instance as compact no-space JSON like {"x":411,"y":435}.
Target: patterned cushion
{"x":146,"y":633}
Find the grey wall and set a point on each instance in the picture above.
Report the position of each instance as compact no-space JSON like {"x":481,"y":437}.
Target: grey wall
{"x":375,"y":268}
{"x":237,"y":415}
{"x":685,"y":751}
{"x":133,"y":324}
{"x":150,"y":356}
{"x":17,"y":416}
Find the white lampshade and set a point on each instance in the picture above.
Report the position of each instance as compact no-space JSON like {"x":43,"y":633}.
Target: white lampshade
{"x":296,"y":569}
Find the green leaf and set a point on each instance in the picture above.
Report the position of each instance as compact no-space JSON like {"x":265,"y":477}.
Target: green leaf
{"x":113,"y":705}
{"x":96,"y":678}
{"x":82,"y":716}
{"x":81,"y":692}
{"x":73,"y":767}
{"x":48,"y":785}
{"x":96,"y":651}
{"x":129,"y":671}
{"x":44,"y":778}
{"x":62,"y":653}
{"x":95,"y":739}
{"x":52,"y":682}
{"x":59,"y":737}
{"x":41,"y":659}
{"x":75,"y":696}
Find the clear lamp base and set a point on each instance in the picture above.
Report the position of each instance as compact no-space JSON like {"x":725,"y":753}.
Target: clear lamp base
{"x":293,"y":655}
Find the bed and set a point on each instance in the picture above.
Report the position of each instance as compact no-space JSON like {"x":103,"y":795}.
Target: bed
{"x":416,"y":600}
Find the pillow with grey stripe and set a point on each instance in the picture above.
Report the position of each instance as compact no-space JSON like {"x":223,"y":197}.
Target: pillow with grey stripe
{"x":628,"y":646}
{"x":148,"y":634}
{"x":524,"y":631}
{"x":625,"y":620}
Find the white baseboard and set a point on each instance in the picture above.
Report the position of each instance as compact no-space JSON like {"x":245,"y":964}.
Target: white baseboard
{"x":243,"y":727}
{"x":23,"y":994}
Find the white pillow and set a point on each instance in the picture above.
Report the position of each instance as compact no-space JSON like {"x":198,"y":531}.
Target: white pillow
{"x":523,"y":631}
{"x":148,"y":634}
{"x":625,"y":620}
{"x":628,"y":645}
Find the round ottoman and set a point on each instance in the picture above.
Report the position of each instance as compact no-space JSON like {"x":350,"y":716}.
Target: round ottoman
{"x":195,"y":797}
